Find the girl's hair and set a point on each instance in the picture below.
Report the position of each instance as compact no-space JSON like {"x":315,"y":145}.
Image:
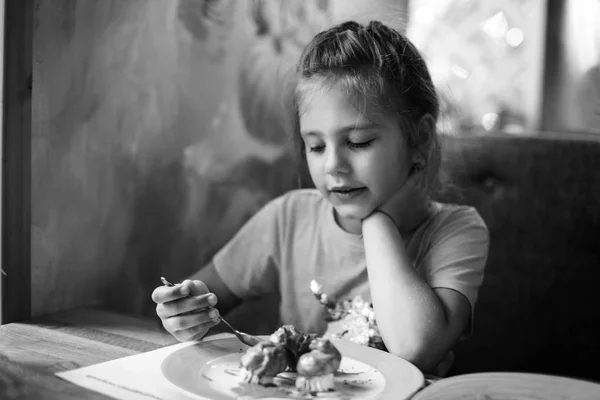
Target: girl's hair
{"x":381,"y":68}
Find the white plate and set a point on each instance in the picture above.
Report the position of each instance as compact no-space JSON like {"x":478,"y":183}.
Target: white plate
{"x":209,"y":370}
{"x":509,"y":385}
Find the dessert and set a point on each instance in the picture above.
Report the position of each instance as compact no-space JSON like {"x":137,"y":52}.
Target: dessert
{"x":315,"y":359}
{"x":294,"y":342}
{"x":316,"y":368}
{"x":262,"y":362}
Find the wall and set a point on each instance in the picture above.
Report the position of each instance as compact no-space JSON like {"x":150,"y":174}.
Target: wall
{"x":142,"y":164}
{"x":156,"y":134}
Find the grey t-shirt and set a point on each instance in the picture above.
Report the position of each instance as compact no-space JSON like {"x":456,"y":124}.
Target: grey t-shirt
{"x":294,"y":239}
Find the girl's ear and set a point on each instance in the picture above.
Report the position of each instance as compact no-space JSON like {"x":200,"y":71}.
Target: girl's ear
{"x":422,"y":139}
{"x":426,"y":130}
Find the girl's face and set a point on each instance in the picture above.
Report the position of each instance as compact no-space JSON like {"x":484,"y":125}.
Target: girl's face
{"x":356,"y":160}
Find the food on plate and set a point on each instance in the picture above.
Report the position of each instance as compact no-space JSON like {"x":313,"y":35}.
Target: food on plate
{"x":315,"y":359}
{"x":351,"y":319}
{"x":262,"y":362}
{"x":294,"y":342}
{"x":316,"y":368}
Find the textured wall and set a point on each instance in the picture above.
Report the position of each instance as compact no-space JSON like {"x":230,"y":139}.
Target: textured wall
{"x":141,"y":162}
{"x":157,"y":131}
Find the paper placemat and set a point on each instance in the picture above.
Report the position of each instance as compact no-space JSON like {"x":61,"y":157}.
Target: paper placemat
{"x":137,"y":377}
{"x":188,"y":371}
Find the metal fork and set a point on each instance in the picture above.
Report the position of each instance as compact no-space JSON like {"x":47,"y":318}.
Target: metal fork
{"x":243,"y":337}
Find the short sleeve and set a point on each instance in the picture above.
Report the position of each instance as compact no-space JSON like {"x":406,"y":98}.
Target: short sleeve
{"x":249,"y":263}
{"x":457,"y":254}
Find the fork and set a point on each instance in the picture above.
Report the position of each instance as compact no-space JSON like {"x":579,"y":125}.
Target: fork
{"x":243,"y":337}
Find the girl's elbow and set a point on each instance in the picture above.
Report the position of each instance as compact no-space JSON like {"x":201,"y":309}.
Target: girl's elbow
{"x":423,"y":361}
{"x":418,"y":354}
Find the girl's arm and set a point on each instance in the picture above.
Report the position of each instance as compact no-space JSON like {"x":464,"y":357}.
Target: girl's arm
{"x":247,"y":265}
{"x":209,"y":276}
{"x":416,"y":322}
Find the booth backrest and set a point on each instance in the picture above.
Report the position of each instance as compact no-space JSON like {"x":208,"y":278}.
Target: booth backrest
{"x":539,"y":305}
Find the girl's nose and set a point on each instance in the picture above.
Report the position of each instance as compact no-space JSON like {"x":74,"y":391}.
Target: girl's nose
{"x":336,"y":163}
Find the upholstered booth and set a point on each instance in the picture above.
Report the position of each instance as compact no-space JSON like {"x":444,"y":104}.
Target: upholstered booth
{"x":539,"y":306}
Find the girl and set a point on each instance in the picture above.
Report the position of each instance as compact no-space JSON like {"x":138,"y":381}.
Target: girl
{"x":365,"y":116}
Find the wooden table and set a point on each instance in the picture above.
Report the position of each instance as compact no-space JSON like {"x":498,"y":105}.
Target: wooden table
{"x":31,"y":352}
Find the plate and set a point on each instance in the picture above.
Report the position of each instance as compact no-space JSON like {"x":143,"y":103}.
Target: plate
{"x":209,"y":370}
{"x":509,"y":385}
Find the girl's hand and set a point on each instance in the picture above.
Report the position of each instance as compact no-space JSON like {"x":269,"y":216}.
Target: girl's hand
{"x":186,"y":310}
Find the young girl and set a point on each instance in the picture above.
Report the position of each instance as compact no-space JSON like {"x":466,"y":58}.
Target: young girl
{"x":366,"y":113}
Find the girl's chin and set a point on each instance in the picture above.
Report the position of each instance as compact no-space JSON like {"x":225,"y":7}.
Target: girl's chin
{"x":352,"y":213}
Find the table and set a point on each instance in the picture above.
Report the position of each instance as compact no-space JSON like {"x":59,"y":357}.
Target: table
{"x":32,"y":351}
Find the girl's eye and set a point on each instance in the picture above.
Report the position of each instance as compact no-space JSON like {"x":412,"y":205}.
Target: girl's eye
{"x":360,"y":145}
{"x":316,"y":149}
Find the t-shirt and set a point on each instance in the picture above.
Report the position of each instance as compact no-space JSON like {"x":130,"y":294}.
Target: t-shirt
{"x":294,"y":239}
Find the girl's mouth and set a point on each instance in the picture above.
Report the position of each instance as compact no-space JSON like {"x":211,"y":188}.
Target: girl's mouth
{"x":345,"y":193}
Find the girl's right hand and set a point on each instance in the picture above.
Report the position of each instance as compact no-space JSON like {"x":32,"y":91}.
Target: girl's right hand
{"x":186,"y":310}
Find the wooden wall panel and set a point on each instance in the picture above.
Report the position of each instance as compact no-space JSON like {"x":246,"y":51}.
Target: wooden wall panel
{"x":16,"y":151}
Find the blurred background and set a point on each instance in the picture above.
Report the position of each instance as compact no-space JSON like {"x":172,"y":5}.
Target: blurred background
{"x":158,"y":127}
